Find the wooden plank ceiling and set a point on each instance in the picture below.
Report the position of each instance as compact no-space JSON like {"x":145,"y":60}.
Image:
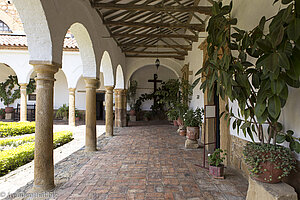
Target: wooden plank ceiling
{"x":153,"y":28}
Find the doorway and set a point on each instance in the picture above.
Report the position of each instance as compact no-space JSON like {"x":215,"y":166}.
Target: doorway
{"x":100,"y":98}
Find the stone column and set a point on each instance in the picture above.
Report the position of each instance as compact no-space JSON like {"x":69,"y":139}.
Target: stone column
{"x":109,"y":117}
{"x":124,"y":108}
{"x":118,"y":107}
{"x":90,"y":114}
{"x":43,"y":153}
{"x":23,"y":109}
{"x":72,"y":106}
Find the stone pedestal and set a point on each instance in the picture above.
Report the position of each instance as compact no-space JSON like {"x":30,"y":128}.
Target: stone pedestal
{"x":132,"y":118}
{"x":72,"y":106}
{"x":9,"y":116}
{"x":90,"y":114}
{"x":43,"y":153}
{"x":191,"y":144}
{"x":280,"y":191}
{"x":23,"y":109}
{"x":109,"y":118}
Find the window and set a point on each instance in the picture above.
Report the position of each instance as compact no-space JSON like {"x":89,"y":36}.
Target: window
{"x":4,"y":27}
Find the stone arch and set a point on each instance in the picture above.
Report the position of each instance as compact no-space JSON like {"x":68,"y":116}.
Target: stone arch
{"x":120,"y":82}
{"x":107,"y":69}
{"x":134,"y":64}
{"x":60,"y":87}
{"x":33,"y":17}
{"x":86,"y":49}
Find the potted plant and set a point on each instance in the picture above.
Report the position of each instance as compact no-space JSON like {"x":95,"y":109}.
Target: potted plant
{"x":147,"y":116}
{"x":261,"y":88}
{"x":77,"y":115}
{"x":268,"y":163}
{"x":62,"y":112}
{"x":193,"y":120}
{"x":2,"y":113}
{"x":131,"y":93}
{"x":215,"y":160}
{"x":10,"y":91}
{"x":173,"y":116}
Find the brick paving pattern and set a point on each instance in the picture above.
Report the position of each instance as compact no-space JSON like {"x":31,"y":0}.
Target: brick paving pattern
{"x":149,"y":162}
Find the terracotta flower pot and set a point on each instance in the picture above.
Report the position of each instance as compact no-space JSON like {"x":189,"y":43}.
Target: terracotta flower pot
{"x":179,"y":122}
{"x":77,"y":118}
{"x":216,"y":171}
{"x":9,"y":109}
{"x":175,"y":123}
{"x":182,"y":132}
{"x":132,"y":112}
{"x":269,"y":173}
{"x":192,"y":133}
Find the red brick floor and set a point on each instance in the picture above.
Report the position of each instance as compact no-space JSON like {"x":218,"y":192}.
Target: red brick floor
{"x":149,"y":162}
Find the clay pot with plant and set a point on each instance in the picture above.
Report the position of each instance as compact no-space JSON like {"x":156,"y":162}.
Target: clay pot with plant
{"x":215,"y":161}
{"x":193,"y":120}
{"x":260,"y":89}
{"x":10,"y":91}
{"x":62,"y":112}
{"x":131,"y":94}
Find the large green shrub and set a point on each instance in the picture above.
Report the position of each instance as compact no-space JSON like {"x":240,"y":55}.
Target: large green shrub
{"x":16,"y":128}
{"x":13,"y":158}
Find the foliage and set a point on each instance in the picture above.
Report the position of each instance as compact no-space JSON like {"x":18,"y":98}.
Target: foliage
{"x":77,"y":113}
{"x":131,"y":93}
{"x":193,"y":118}
{"x":2,"y":111}
{"x":16,"y":142}
{"x":261,"y":88}
{"x":173,"y":114}
{"x":169,"y":93}
{"x":256,"y":153}
{"x":16,"y":128}
{"x":22,"y":154}
{"x":217,"y":158}
{"x":8,"y":93}
{"x":62,"y":112}
{"x":148,"y":115}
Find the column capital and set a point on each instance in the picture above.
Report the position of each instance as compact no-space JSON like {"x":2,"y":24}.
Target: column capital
{"x":109,"y":89}
{"x":72,"y":90}
{"x":118,"y":91}
{"x":91,"y":83}
{"x":44,"y":67}
{"x":23,"y":85}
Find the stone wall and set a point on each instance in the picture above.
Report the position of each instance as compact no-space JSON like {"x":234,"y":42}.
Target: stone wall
{"x":236,"y":154}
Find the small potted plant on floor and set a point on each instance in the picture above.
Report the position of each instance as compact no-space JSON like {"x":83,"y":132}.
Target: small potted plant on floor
{"x":77,"y":115}
{"x":173,"y":116}
{"x":193,"y":120}
{"x":215,"y":160}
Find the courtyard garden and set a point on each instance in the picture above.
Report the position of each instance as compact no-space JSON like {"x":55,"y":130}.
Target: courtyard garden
{"x":17,"y":144}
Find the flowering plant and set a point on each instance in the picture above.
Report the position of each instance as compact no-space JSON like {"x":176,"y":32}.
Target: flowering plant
{"x":217,"y":157}
{"x":193,"y":118}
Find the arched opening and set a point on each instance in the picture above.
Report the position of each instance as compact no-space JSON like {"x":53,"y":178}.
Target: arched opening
{"x":60,"y":88}
{"x":120,"y":82}
{"x":107,"y":69}
{"x":144,"y":76}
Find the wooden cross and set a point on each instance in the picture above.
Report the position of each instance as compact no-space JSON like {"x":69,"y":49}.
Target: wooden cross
{"x":155,"y":81}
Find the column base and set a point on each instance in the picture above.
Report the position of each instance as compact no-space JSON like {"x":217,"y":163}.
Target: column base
{"x":90,"y":149}
{"x":42,"y":188}
{"x":108,"y":135}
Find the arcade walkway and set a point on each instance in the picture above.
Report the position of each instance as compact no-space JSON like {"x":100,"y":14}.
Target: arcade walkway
{"x":143,"y":162}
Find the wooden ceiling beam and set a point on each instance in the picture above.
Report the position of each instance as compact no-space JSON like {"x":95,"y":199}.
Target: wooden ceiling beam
{"x":156,"y":52}
{"x":185,"y":47}
{"x":189,"y":37}
{"x":157,"y":56}
{"x":196,"y":27}
{"x":154,"y":8}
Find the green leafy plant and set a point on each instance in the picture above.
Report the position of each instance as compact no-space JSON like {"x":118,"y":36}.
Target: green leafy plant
{"x":193,"y":118}
{"x":131,"y":93}
{"x":282,"y":157}
{"x":2,"y":111}
{"x":10,"y":90}
{"x":62,"y":112}
{"x":260,"y":88}
{"x":217,"y":158}
{"x":173,"y":114}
